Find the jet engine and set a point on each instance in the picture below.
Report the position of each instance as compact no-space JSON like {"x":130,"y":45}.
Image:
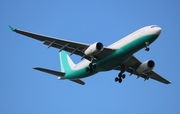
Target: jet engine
{"x":94,"y":49}
{"x":145,"y":67}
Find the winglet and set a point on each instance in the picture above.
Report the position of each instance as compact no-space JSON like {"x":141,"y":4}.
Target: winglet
{"x":11,"y":28}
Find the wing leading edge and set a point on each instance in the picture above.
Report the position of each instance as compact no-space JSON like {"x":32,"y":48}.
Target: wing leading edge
{"x":69,"y":46}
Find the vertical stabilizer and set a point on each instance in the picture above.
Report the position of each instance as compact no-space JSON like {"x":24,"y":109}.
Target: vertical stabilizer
{"x":66,"y":63}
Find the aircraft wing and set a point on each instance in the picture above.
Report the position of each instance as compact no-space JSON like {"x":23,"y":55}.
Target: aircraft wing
{"x":70,"y":46}
{"x":133,"y":63}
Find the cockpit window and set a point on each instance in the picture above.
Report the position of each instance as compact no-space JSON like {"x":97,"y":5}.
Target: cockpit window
{"x":154,"y":26}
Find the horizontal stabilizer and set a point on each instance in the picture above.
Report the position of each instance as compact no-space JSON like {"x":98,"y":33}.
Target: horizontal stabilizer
{"x":57,"y":73}
{"x":50,"y":71}
{"x":78,"y":81}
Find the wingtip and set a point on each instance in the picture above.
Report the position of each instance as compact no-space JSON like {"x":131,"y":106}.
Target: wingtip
{"x":36,"y":68}
{"x":12,"y":28}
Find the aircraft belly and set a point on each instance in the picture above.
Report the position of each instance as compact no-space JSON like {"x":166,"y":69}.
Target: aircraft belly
{"x":81,"y":73}
{"x":112,"y":61}
{"x":110,"y":65}
{"x":120,"y":55}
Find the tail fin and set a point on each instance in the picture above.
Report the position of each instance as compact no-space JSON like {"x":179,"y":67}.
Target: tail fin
{"x":66,"y":63}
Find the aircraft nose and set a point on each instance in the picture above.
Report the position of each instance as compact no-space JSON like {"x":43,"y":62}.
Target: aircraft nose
{"x":158,"y":30}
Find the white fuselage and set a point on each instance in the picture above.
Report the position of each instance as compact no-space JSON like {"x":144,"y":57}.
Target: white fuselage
{"x":125,"y":48}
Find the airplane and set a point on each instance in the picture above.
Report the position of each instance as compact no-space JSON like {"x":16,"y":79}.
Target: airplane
{"x":98,"y":58}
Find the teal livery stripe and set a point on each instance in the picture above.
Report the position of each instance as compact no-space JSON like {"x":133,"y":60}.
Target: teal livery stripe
{"x":65,"y":65}
{"x":139,"y":43}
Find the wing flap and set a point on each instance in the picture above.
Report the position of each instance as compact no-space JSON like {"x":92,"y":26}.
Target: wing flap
{"x":157,"y":77}
{"x":80,"y":51}
{"x":66,"y":48}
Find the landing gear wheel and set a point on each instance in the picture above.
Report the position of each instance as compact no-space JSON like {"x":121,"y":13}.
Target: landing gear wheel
{"x":120,"y":80}
{"x":94,"y":66}
{"x":123,"y":76}
{"x":116,"y":79}
{"x":147,"y":49}
{"x":119,"y":75}
{"x":87,"y":69}
{"x":90,"y":70}
{"x":90,"y":65}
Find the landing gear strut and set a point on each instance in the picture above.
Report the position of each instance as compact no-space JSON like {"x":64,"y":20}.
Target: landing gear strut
{"x":91,"y":67}
{"x":92,"y":64}
{"x":147,"y":48}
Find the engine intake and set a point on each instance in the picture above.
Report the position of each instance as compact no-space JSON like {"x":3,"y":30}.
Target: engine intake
{"x":94,"y":49}
{"x":145,"y":67}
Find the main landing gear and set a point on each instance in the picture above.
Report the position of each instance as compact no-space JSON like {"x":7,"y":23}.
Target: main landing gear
{"x":120,"y":77}
{"x":92,"y":64}
{"x":91,"y":67}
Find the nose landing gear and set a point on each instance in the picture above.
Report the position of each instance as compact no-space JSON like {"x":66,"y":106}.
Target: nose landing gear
{"x":147,"y":48}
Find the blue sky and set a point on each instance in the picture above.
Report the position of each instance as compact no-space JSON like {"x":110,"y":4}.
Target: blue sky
{"x":24,"y":90}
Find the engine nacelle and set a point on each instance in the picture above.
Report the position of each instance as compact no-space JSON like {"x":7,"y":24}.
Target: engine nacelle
{"x":145,"y":67}
{"x":94,"y":49}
